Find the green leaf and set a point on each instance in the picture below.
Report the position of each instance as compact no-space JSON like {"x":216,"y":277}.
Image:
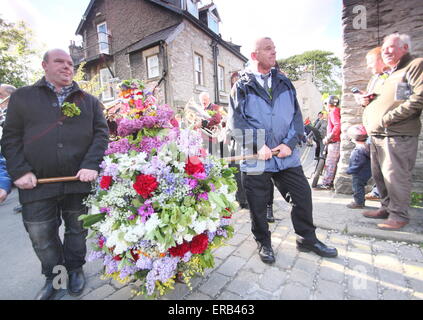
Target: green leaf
{"x":90,"y":219}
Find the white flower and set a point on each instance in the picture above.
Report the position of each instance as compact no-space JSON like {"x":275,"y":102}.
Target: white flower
{"x":152,"y":223}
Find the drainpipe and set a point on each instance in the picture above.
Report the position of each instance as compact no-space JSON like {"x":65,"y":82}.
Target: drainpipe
{"x":215,"y":51}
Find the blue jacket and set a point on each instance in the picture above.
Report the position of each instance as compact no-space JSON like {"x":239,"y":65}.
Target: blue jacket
{"x":360,"y":162}
{"x":271,"y":120}
{"x":5,"y":181}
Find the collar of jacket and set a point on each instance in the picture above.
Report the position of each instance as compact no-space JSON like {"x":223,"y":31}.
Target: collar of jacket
{"x":42,"y":83}
{"x":278,"y":79}
{"x":404,"y":61}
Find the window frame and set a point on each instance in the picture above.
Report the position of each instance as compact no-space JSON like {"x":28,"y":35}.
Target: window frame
{"x":149,"y":67}
{"x":199,"y":74}
{"x":100,"y":42}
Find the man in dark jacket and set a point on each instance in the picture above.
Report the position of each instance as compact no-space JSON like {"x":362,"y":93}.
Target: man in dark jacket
{"x":264,"y":115}
{"x":39,"y":141}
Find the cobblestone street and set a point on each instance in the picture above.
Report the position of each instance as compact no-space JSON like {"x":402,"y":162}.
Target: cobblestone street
{"x":366,"y":269}
{"x":371,"y":265}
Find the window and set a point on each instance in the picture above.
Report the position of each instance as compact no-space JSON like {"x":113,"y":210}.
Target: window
{"x":198,"y":67}
{"x":213,"y":23}
{"x":153,"y":66}
{"x":106,"y":84}
{"x":221,"y":77}
{"x":192,"y":7}
{"x":103,"y":38}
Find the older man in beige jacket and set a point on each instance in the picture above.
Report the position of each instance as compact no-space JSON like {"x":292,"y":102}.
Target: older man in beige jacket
{"x":393,"y":122}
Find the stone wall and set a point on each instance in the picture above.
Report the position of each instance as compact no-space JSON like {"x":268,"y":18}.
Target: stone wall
{"x":383,"y":18}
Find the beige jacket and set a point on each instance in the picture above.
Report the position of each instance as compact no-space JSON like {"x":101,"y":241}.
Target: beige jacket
{"x":396,"y":110}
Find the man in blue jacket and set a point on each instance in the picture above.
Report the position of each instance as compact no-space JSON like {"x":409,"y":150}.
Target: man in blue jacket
{"x":264,"y":117}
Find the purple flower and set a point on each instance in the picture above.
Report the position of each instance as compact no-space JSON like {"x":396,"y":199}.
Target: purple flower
{"x":95,"y":255}
{"x":144,"y":263}
{"x":146,"y":210}
{"x":120,"y":146}
{"x":163,"y":269}
{"x":211,"y":235}
{"x":192,"y":183}
{"x":149,"y":143}
{"x":222,"y":232}
{"x":110,"y":264}
{"x":127,"y":127}
{"x":127,"y":271}
{"x":212,"y":187}
{"x":224,"y":222}
{"x":200,"y":175}
{"x":187,"y":256}
{"x":203,"y":196}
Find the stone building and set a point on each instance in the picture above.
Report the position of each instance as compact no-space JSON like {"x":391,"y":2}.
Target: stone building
{"x":173,"y":45}
{"x":365,"y":24}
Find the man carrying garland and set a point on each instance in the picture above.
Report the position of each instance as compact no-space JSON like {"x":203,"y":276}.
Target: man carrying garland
{"x":55,"y":129}
{"x":264,"y":115}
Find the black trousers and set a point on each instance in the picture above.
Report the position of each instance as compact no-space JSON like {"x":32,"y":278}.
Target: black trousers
{"x":42,"y":220}
{"x":294,"y":187}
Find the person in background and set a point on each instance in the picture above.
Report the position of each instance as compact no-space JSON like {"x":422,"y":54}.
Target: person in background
{"x":5,"y":181}
{"x":393,"y":122}
{"x":6,"y":91}
{"x":333,"y":140}
{"x":359,"y":165}
{"x":379,"y":70}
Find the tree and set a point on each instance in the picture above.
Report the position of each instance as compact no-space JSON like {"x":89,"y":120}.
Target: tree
{"x":91,"y":86}
{"x":323,"y":65}
{"x":16,"y":53}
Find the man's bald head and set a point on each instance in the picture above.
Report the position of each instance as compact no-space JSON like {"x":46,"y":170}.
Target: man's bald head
{"x":58,"y":67}
{"x":51,"y":51}
{"x":264,"y":54}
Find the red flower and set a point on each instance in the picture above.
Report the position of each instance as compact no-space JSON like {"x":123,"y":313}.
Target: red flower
{"x":145,"y":185}
{"x":117,"y":258}
{"x":199,"y":243}
{"x":230,"y":214}
{"x":194,"y":165}
{"x":105,"y":182}
{"x":135,"y":255}
{"x":100,"y":243}
{"x":179,"y":250}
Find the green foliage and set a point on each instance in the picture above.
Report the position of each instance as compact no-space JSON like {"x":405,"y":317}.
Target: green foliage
{"x":417,"y":200}
{"x":323,"y":65}
{"x":17,"y":54}
{"x":91,"y":86}
{"x":70,"y":109}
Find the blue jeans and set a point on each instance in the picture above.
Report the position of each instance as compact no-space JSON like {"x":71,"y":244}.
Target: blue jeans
{"x":358,"y":186}
{"x":42,"y":220}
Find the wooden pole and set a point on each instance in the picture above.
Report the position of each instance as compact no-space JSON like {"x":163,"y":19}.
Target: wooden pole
{"x":57,"y":179}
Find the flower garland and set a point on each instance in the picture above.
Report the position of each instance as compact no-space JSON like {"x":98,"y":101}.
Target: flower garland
{"x":159,"y":207}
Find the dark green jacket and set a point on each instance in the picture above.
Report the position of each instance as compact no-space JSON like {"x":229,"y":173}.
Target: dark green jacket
{"x":38,"y":138}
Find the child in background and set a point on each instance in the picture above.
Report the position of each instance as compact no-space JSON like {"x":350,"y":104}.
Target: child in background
{"x":359,"y":165}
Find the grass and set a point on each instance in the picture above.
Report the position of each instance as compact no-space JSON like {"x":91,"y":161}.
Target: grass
{"x":416,"y":200}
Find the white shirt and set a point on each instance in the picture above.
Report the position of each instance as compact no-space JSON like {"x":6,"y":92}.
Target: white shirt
{"x":261,"y":81}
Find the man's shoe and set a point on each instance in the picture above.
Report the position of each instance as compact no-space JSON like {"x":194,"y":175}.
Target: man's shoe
{"x":17,"y":209}
{"x":47,"y":292}
{"x":392,"y":225}
{"x":376,"y":214}
{"x":317,"y":247}
{"x":269,"y":213}
{"x":355,"y":205}
{"x":323,"y":187}
{"x":371,"y":197}
{"x":266,"y":254}
{"x":76,"y":283}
